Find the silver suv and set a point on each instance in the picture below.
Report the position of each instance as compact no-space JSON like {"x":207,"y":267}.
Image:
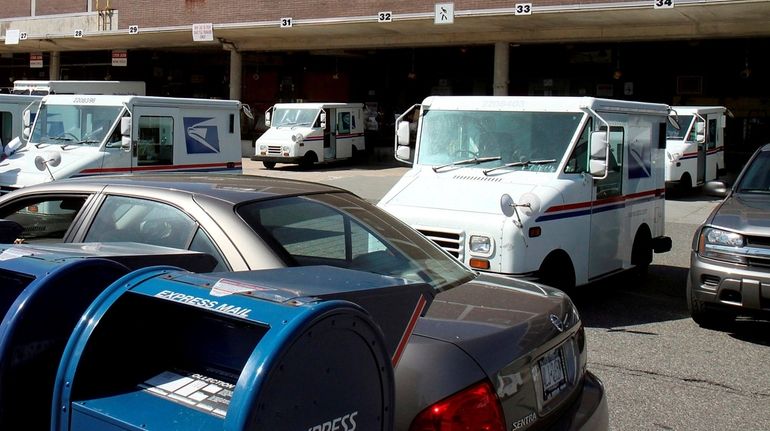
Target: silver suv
{"x":730,"y":259}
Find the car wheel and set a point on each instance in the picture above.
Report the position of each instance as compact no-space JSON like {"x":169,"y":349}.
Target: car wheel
{"x":268,"y":165}
{"x":704,"y":315}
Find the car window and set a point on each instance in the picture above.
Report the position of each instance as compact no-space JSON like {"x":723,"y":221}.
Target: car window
{"x":342,"y":230}
{"x":45,"y":218}
{"x":756,"y":178}
{"x":141,"y":220}
{"x":201,"y":242}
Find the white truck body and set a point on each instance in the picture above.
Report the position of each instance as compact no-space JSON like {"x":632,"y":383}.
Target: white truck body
{"x":695,"y":153}
{"x":43,"y":88}
{"x":534,"y":187}
{"x":306,"y":133}
{"x":82,"y":135}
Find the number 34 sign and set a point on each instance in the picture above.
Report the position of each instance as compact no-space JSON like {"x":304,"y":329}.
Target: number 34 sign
{"x":663,"y":4}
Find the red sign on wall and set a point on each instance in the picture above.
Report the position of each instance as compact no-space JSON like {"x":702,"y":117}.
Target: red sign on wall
{"x":120,"y":57}
{"x":36,"y":60}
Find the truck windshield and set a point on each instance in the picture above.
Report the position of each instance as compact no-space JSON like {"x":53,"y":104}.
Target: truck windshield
{"x":73,"y":124}
{"x":497,"y":138}
{"x":294,"y":116}
{"x":684,"y":125}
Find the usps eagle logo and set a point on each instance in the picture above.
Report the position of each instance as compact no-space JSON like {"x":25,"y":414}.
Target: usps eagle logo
{"x":201,"y":135}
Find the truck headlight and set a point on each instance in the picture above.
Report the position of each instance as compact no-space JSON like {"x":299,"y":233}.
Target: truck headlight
{"x":285,"y":148}
{"x":297,"y":138}
{"x":722,"y":245}
{"x":262,"y":147}
{"x":480,"y":245}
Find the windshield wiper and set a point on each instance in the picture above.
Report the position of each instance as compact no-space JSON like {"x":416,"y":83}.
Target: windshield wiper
{"x":524,"y":163}
{"x":473,"y":161}
{"x":84,"y":141}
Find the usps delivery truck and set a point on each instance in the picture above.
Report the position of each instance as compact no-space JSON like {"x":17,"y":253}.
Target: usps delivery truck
{"x":563,"y":190}
{"x":308,"y":133}
{"x":82,"y":135}
{"x":695,"y":152}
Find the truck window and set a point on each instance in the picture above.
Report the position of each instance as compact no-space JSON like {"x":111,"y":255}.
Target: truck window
{"x":6,"y":128}
{"x":343,"y":122}
{"x":613,"y":184}
{"x":578,"y":160}
{"x":156,"y":141}
{"x":712,"y":136}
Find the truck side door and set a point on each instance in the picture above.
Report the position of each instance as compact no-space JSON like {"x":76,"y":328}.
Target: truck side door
{"x":154,"y":133}
{"x":607,"y":211}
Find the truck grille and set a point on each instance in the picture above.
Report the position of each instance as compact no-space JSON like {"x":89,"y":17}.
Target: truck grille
{"x":450,"y":241}
{"x":761,"y":248}
{"x":274,"y":150}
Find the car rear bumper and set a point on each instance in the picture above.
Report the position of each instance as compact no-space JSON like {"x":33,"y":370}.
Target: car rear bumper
{"x":590,"y":411}
{"x":729,"y":285}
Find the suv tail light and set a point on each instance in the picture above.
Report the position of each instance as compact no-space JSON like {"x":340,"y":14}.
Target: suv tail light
{"x":474,"y":408}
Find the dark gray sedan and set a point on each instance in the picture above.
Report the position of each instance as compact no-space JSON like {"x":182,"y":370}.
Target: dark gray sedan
{"x":730,"y":259}
{"x":491,"y":353}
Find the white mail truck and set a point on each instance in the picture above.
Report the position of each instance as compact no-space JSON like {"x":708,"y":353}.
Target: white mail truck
{"x":695,"y":152}
{"x":563,"y":190}
{"x":308,"y":133}
{"x":82,"y":135}
{"x":44,"y":87}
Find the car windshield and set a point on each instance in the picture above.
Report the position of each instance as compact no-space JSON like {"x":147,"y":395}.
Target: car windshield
{"x":341,"y":230}
{"x":294,"y":117}
{"x":684,"y":125}
{"x":73,"y":124}
{"x":487,"y":139}
{"x":756,"y":177}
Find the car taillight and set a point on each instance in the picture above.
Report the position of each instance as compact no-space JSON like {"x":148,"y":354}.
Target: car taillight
{"x":475,"y":408}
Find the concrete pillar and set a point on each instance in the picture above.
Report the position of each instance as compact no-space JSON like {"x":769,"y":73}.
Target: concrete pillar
{"x":54,"y":66}
{"x":236,"y":74}
{"x":502,"y":61}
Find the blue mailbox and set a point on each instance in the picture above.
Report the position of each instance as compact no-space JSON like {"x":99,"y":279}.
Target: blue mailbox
{"x":304,"y":348}
{"x":44,"y":290}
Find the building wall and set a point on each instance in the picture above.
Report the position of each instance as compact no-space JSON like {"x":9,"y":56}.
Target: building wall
{"x":54,"y":7}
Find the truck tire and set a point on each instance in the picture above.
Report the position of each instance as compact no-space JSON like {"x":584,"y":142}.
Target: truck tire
{"x":307,"y":161}
{"x":641,"y":254}
{"x":557,"y":271}
{"x":685,"y":184}
{"x":268,"y":165}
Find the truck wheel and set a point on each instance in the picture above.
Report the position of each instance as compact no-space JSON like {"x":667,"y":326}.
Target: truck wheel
{"x":702,"y":314}
{"x":557,"y":271}
{"x":641,"y":254}
{"x":685,"y":184}
{"x":268,"y":165}
{"x":307,"y":161}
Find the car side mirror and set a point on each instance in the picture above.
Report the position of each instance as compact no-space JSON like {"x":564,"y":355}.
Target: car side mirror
{"x":716,"y":188}
{"x":9,"y":231}
{"x":599,"y":149}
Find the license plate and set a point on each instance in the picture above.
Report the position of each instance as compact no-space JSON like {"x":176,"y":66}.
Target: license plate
{"x":552,"y":373}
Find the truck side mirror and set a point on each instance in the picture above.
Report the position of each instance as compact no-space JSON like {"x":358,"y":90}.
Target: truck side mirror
{"x":25,"y":133}
{"x":323,"y":119}
{"x":402,"y":135}
{"x":125,"y":126}
{"x":403,"y":153}
{"x":700,"y":131}
{"x":27,"y":118}
{"x":267,"y":118}
{"x":125,"y":131}
{"x":599,"y":152}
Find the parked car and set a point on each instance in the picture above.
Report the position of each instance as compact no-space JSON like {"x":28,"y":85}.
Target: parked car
{"x":730,"y":258}
{"x":491,"y":353}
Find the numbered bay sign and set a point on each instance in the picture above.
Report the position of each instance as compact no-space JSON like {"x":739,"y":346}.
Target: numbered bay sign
{"x":385,"y":16}
{"x":78,"y":33}
{"x":133,"y":29}
{"x":663,"y":4}
{"x":444,"y":13}
{"x":522,"y":9}
{"x":286,"y":22}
